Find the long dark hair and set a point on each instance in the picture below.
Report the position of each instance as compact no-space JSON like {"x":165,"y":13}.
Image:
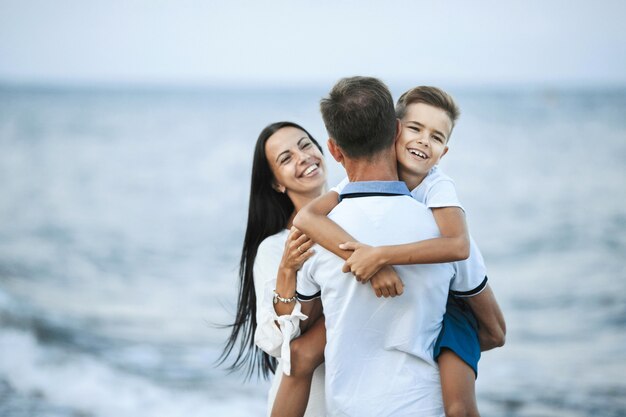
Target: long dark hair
{"x":268,"y":213}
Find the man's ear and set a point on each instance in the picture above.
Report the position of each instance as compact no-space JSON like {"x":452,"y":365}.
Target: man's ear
{"x":335,"y":150}
{"x":445,"y":151}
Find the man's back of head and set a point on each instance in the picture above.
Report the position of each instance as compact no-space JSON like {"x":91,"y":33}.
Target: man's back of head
{"x":360,"y":117}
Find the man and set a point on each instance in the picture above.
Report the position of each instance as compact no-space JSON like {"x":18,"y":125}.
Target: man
{"x":379,"y":351}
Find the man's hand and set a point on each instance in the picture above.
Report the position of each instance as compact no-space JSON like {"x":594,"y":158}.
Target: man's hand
{"x":364,"y":261}
{"x":387,"y":283}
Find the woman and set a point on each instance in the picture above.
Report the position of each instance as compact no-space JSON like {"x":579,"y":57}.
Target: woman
{"x":288,"y":171}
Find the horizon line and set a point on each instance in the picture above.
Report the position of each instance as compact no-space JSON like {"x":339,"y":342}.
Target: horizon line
{"x":265,"y":85}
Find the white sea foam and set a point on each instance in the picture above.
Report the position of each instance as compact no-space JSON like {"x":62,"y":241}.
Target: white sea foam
{"x":81,"y":383}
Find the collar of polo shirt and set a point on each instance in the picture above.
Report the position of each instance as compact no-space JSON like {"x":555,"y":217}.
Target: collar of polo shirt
{"x":374,"y":188}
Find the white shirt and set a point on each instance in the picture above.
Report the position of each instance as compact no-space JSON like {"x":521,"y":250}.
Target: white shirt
{"x":268,"y":336}
{"x":435,"y":191}
{"x":378,"y":353}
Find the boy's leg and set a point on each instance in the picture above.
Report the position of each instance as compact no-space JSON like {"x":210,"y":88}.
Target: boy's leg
{"x":457,"y":386}
{"x":307,"y":353}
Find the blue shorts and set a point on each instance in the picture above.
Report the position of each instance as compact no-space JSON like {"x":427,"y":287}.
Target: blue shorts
{"x":459,"y":333}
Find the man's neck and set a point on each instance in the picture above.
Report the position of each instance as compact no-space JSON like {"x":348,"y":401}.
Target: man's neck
{"x":381,"y":168}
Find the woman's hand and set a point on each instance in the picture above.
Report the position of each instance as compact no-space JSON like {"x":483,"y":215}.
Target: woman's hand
{"x":297,"y":250}
{"x":387,"y":283}
{"x":364,"y":262}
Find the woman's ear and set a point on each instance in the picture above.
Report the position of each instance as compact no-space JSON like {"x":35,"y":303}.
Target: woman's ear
{"x":279,"y":188}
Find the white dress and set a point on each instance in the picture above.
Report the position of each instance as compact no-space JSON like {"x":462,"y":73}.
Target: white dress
{"x":268,"y":336}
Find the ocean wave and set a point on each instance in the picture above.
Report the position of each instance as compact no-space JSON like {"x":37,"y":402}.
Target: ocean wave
{"x":81,"y":384}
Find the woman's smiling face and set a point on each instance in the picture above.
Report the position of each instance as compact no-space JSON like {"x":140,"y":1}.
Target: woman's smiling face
{"x":296,"y":162}
{"x":423,"y":141}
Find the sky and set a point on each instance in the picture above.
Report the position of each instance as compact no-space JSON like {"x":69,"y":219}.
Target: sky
{"x":291,"y":42}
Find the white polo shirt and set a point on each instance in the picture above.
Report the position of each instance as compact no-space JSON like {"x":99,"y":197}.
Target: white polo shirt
{"x":378,"y":353}
{"x":437,"y":190}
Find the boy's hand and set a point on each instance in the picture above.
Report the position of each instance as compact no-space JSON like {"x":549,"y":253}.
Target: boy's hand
{"x":297,"y":250}
{"x":387,"y":283}
{"x":364,"y":261}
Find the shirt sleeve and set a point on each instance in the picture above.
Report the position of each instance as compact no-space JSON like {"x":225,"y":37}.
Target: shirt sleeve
{"x":339,"y":187}
{"x":307,"y":289}
{"x":470,"y":275}
{"x":442,"y":194}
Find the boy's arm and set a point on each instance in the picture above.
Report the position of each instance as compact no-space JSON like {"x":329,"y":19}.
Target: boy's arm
{"x":312,"y":220}
{"x":491,"y":325}
{"x":452,"y":246}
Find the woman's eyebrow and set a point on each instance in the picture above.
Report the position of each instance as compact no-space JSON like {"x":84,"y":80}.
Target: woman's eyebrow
{"x":287,"y":151}
{"x":280,"y":154}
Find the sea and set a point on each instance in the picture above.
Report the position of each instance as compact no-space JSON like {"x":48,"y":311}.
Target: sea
{"x":122,"y":214}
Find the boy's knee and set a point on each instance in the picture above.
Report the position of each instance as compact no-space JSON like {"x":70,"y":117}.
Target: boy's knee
{"x":303,"y":359}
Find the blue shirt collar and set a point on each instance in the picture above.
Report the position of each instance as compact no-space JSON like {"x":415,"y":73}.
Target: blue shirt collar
{"x":374,"y":188}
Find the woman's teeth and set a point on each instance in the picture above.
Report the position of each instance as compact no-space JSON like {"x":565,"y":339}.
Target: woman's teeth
{"x":309,"y":170}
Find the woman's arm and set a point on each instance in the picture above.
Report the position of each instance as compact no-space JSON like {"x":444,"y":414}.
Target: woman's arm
{"x":452,"y":246}
{"x":297,"y":251}
{"x":274,"y":331}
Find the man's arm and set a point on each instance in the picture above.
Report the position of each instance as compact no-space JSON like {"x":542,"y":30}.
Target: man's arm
{"x":491,"y":325}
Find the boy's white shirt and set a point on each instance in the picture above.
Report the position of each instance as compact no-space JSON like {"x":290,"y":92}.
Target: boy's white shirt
{"x":437,"y":190}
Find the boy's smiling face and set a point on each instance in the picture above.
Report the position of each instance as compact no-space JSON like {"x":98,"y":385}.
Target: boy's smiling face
{"x":422,"y":142}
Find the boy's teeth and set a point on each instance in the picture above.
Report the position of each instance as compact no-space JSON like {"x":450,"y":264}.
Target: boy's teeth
{"x":418,"y":153}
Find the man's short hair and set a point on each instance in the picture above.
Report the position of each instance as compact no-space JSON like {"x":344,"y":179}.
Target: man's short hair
{"x":432,"y":96}
{"x":359,"y":115}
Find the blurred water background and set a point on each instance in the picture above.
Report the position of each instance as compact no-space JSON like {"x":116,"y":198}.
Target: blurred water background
{"x":122,"y":214}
